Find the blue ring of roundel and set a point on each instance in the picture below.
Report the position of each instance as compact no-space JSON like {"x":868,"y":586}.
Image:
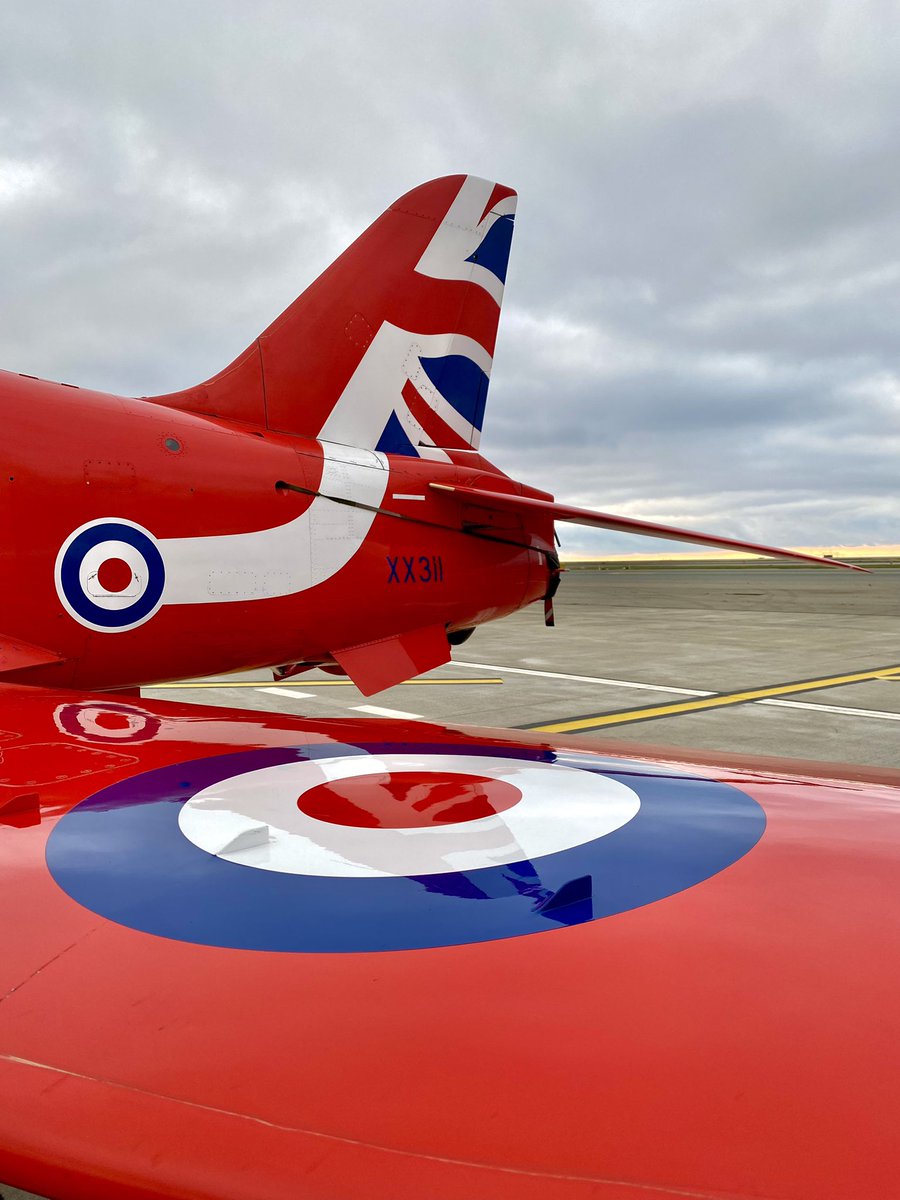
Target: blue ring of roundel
{"x":71,"y":583}
{"x":121,"y":854}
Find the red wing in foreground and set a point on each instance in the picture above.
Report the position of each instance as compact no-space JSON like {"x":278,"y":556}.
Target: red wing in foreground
{"x":598,"y":520}
{"x":245,"y":955}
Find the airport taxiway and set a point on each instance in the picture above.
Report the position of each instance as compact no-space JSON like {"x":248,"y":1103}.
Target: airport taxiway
{"x":800,"y":663}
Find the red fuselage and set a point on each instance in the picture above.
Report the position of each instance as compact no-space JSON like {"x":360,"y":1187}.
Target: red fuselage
{"x":197,"y":485}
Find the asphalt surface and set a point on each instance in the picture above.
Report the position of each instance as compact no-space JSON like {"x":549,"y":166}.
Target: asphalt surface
{"x":660,"y":641}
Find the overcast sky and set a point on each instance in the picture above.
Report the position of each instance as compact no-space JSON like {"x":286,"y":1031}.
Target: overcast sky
{"x":702,"y":316}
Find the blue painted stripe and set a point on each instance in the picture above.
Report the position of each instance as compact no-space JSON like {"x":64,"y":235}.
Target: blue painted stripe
{"x":393,"y":439}
{"x":493,"y":253}
{"x":462,"y":383}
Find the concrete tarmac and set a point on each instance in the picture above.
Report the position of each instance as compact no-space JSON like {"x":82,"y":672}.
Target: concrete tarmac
{"x":821,"y":645}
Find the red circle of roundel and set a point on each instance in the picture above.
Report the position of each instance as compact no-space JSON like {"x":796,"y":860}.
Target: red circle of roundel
{"x":114,"y":575}
{"x":111,"y":721}
{"x":406,"y":800}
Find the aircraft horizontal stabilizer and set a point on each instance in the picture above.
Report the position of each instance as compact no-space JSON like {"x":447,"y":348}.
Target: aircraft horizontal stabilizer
{"x":16,"y":654}
{"x":375,"y":666}
{"x":585,"y":516}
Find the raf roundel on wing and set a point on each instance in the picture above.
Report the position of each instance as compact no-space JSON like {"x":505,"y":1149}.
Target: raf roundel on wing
{"x":338,"y":848}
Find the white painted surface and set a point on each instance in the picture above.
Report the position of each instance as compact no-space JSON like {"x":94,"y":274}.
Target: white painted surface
{"x":308,"y":550}
{"x":560,"y":807}
{"x":623,"y":683}
{"x":290,"y":692}
{"x":461,"y":233}
{"x":810,"y":706}
{"x":88,"y":575}
{"x":873,"y":713}
{"x":374,"y":710}
{"x":375,"y":389}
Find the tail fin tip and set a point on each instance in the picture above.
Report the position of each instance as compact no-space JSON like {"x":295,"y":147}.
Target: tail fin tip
{"x":391,"y":347}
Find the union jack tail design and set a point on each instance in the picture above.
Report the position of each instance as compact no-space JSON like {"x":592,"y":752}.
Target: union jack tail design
{"x":391,"y":348}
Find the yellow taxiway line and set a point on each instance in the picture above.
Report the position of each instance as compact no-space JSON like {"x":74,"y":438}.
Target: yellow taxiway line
{"x":722,"y":700}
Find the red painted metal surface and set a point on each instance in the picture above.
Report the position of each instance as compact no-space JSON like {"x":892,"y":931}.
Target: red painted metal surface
{"x":200,"y":999}
{"x":281,"y":513}
{"x":738,"y":1038}
{"x":223,"y":484}
{"x":286,"y":579}
{"x":381,"y":664}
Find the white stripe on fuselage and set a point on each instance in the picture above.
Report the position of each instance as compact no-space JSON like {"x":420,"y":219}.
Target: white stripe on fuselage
{"x":287,"y":558}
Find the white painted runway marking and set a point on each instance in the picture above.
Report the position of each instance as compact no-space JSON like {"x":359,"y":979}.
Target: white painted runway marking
{"x":624,"y":683}
{"x":375,"y":711}
{"x":834,"y":708}
{"x":289,"y":692}
{"x":675,"y":691}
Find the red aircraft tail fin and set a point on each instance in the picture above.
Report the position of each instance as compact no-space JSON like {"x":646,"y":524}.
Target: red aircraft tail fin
{"x":391,"y":347}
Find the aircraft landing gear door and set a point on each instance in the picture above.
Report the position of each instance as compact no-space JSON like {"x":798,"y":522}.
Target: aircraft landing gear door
{"x":352,"y":484}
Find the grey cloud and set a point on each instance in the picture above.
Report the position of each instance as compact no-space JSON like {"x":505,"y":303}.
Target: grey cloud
{"x":705,"y":286}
